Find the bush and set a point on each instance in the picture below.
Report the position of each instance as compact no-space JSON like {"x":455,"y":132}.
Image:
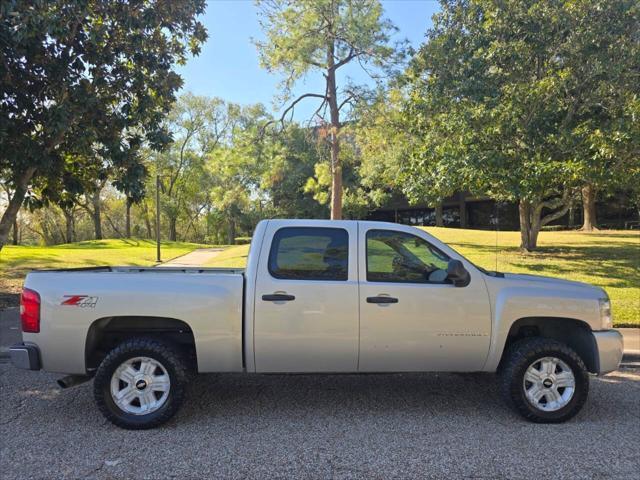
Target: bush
{"x":243,"y":240}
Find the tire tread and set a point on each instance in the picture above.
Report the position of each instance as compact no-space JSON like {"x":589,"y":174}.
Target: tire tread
{"x":519,"y":356}
{"x":133,"y":347}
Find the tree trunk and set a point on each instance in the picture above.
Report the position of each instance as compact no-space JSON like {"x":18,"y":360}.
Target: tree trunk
{"x":127,"y":224}
{"x":231,"y":232}
{"x":70,"y":225}
{"x":529,"y":228}
{"x":463,"y":212}
{"x":336,"y":167}
{"x":525,"y":228}
{"x":208,"y":222}
{"x":11,"y":213}
{"x":572,"y":216}
{"x":16,"y":235}
{"x":439,"y":216}
{"x":96,"y":214}
{"x":173,"y":236}
{"x":336,"y":180}
{"x":147,"y":221}
{"x":532,"y":221}
{"x":590,"y":222}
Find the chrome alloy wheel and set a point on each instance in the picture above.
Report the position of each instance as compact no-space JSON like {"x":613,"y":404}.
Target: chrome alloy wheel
{"x":140,"y":386}
{"x":549,"y":384}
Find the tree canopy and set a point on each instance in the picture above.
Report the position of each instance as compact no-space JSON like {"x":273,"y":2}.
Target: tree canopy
{"x":324,"y":35}
{"x":508,"y":99}
{"x":92,"y":79}
{"x":534,"y":103}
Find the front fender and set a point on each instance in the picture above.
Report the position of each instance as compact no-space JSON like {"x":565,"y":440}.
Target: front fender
{"x":512,"y":303}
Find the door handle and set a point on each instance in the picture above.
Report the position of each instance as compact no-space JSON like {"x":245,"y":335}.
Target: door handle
{"x":381,"y":299}
{"x":278,"y":297}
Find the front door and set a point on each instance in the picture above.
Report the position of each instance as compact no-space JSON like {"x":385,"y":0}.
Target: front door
{"x":306,"y":302}
{"x":411,"y":317}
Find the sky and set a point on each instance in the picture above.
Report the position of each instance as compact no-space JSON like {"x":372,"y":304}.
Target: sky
{"x":228,"y":66}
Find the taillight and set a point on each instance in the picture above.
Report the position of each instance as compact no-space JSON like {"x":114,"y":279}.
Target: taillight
{"x":30,"y":310}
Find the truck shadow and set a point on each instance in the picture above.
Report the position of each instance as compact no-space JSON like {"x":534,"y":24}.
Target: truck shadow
{"x":347,"y":395}
{"x":242,"y":404}
{"x":352,"y":399}
{"x":246,"y":402}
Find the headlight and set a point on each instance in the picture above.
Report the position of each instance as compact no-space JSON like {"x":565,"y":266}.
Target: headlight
{"x":605,"y":313}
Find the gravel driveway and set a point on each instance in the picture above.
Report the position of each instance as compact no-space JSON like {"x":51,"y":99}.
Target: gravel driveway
{"x":312,"y":426}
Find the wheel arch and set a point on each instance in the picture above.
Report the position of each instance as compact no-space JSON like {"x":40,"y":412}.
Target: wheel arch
{"x":107,"y":332}
{"x":572,"y":332}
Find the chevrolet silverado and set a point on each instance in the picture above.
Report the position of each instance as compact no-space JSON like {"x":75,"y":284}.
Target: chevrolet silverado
{"x":316,"y":297}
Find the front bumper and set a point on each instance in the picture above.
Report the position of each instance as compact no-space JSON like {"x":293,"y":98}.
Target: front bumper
{"x":610,"y":349}
{"x":25,"y":355}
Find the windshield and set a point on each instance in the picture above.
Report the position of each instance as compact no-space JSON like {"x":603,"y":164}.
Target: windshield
{"x":491,"y":273}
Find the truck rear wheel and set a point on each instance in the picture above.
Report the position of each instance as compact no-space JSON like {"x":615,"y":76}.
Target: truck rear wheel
{"x":140,"y":384}
{"x":544,"y":380}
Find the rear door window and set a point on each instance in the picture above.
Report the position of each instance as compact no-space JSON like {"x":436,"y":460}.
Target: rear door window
{"x":309,"y":253}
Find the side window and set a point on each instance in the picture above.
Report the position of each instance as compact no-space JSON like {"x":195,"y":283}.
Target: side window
{"x":404,"y":258}
{"x":309,"y":253}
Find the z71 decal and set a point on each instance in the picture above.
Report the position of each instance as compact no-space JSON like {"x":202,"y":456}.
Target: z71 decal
{"x":83,"y":301}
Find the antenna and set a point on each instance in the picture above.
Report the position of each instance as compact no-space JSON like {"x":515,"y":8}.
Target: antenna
{"x":497,"y":228}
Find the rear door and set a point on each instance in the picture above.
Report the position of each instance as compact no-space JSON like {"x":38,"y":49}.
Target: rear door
{"x":306,"y":298}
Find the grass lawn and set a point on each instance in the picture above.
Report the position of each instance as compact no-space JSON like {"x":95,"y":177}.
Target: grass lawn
{"x":233,"y":257}
{"x":609,"y":259}
{"x":16,"y":261}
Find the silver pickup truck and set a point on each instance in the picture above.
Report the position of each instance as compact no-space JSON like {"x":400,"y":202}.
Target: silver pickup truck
{"x":316,"y":296}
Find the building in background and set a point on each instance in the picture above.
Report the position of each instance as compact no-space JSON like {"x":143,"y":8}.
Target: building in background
{"x":464,"y":210}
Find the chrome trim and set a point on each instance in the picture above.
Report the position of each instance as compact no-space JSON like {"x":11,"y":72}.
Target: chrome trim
{"x":140,"y":386}
{"x":549,"y":384}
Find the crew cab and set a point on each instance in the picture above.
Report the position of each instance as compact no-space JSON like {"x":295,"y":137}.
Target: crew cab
{"x":317,"y":296}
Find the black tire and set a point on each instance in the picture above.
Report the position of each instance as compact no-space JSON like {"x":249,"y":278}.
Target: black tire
{"x":172,"y":362}
{"x":523,"y":354}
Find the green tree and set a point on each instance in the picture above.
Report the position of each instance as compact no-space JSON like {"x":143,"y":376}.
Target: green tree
{"x":600,"y":56}
{"x":289,"y":162}
{"x":324,"y":36}
{"x":496,"y":96}
{"x":356,"y":201}
{"x":81,"y":76}
{"x":236,"y":168}
{"x":384,"y":141}
{"x":198,"y":126}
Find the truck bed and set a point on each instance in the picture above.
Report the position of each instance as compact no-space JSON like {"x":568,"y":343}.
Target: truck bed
{"x":209,"y":300}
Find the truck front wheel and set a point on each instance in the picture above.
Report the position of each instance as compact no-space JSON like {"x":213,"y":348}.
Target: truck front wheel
{"x":140,"y":384}
{"x":544,"y":380}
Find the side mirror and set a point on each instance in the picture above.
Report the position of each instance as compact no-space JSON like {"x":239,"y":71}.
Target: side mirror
{"x":458,"y":275}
